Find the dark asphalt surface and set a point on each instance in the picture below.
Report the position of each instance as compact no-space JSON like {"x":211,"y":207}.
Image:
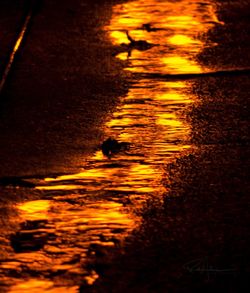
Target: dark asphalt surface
{"x":64,"y":84}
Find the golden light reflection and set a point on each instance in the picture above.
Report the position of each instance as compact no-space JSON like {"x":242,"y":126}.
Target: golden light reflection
{"x":108,"y":212}
{"x":176,"y":27}
{"x":119,"y":37}
{"x":35,"y":210}
{"x":123,"y":56}
{"x":169,"y":119}
{"x":119,"y":122}
{"x":183,"y":40}
{"x":173,"y":98}
{"x":80,"y":225}
{"x":92,"y":278}
{"x":148,"y":118}
{"x":177,"y":84}
{"x":183,"y":64}
{"x":87,"y":207}
{"x":186,"y":22}
{"x":59,"y":187}
{"x":36,"y":286}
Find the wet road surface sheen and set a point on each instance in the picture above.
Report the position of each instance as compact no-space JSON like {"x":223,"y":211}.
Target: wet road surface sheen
{"x":80,"y":216}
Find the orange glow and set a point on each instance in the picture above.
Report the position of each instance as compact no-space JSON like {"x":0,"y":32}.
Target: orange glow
{"x":122,"y":56}
{"x":183,"y":40}
{"x":182,"y":21}
{"x":181,"y":65}
{"x":92,"y":278}
{"x":66,"y":222}
{"x":35,"y":210}
{"x":59,"y":187}
{"x":176,"y":85}
{"x":94,"y":208}
{"x":173,"y":97}
{"x":119,"y":37}
{"x":177,"y":38}
{"x":36,"y":285}
{"x":168,"y":119}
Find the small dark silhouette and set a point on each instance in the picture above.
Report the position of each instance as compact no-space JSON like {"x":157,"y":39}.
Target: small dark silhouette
{"x":140,"y":45}
{"x":111,"y":146}
{"x":148,"y":27}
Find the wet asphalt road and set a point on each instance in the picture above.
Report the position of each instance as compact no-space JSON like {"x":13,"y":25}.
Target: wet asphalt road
{"x":203,"y":222}
{"x":55,"y":100}
{"x":198,"y":240}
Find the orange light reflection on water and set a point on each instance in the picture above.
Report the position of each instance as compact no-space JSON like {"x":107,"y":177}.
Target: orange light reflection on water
{"x":108,"y":212}
{"x":149,"y":118}
{"x":35,"y":209}
{"x":37,"y":285}
{"x":183,"y":40}
{"x":178,"y":27}
{"x":183,"y":64}
{"x":84,"y":208}
{"x":75,"y":227}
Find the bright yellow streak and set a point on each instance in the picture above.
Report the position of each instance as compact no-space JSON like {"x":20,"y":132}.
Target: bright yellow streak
{"x":125,"y":136}
{"x":35,"y":210}
{"x":120,"y":122}
{"x":130,"y":22}
{"x":15,"y":49}
{"x":59,"y":187}
{"x":176,"y":84}
{"x":119,"y":37}
{"x":181,"y":64}
{"x":123,"y":56}
{"x":169,"y":119}
{"x":36,"y":285}
{"x":174,"y":97}
{"x":183,"y":40}
{"x":181,"y":21}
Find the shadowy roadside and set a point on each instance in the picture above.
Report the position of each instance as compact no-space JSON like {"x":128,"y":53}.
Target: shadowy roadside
{"x":64,"y":85}
{"x":233,"y":51}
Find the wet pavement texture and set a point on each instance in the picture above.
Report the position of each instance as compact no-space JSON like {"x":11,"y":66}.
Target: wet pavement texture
{"x":56,"y":102}
{"x":168,"y":213}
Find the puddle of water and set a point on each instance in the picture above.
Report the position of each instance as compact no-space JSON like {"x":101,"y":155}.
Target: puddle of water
{"x":82,"y":215}
{"x":174,"y":27}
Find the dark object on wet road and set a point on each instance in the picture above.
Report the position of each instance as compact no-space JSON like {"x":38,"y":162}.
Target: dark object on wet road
{"x":111,"y":146}
{"x":148,"y":27}
{"x":140,"y":45}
